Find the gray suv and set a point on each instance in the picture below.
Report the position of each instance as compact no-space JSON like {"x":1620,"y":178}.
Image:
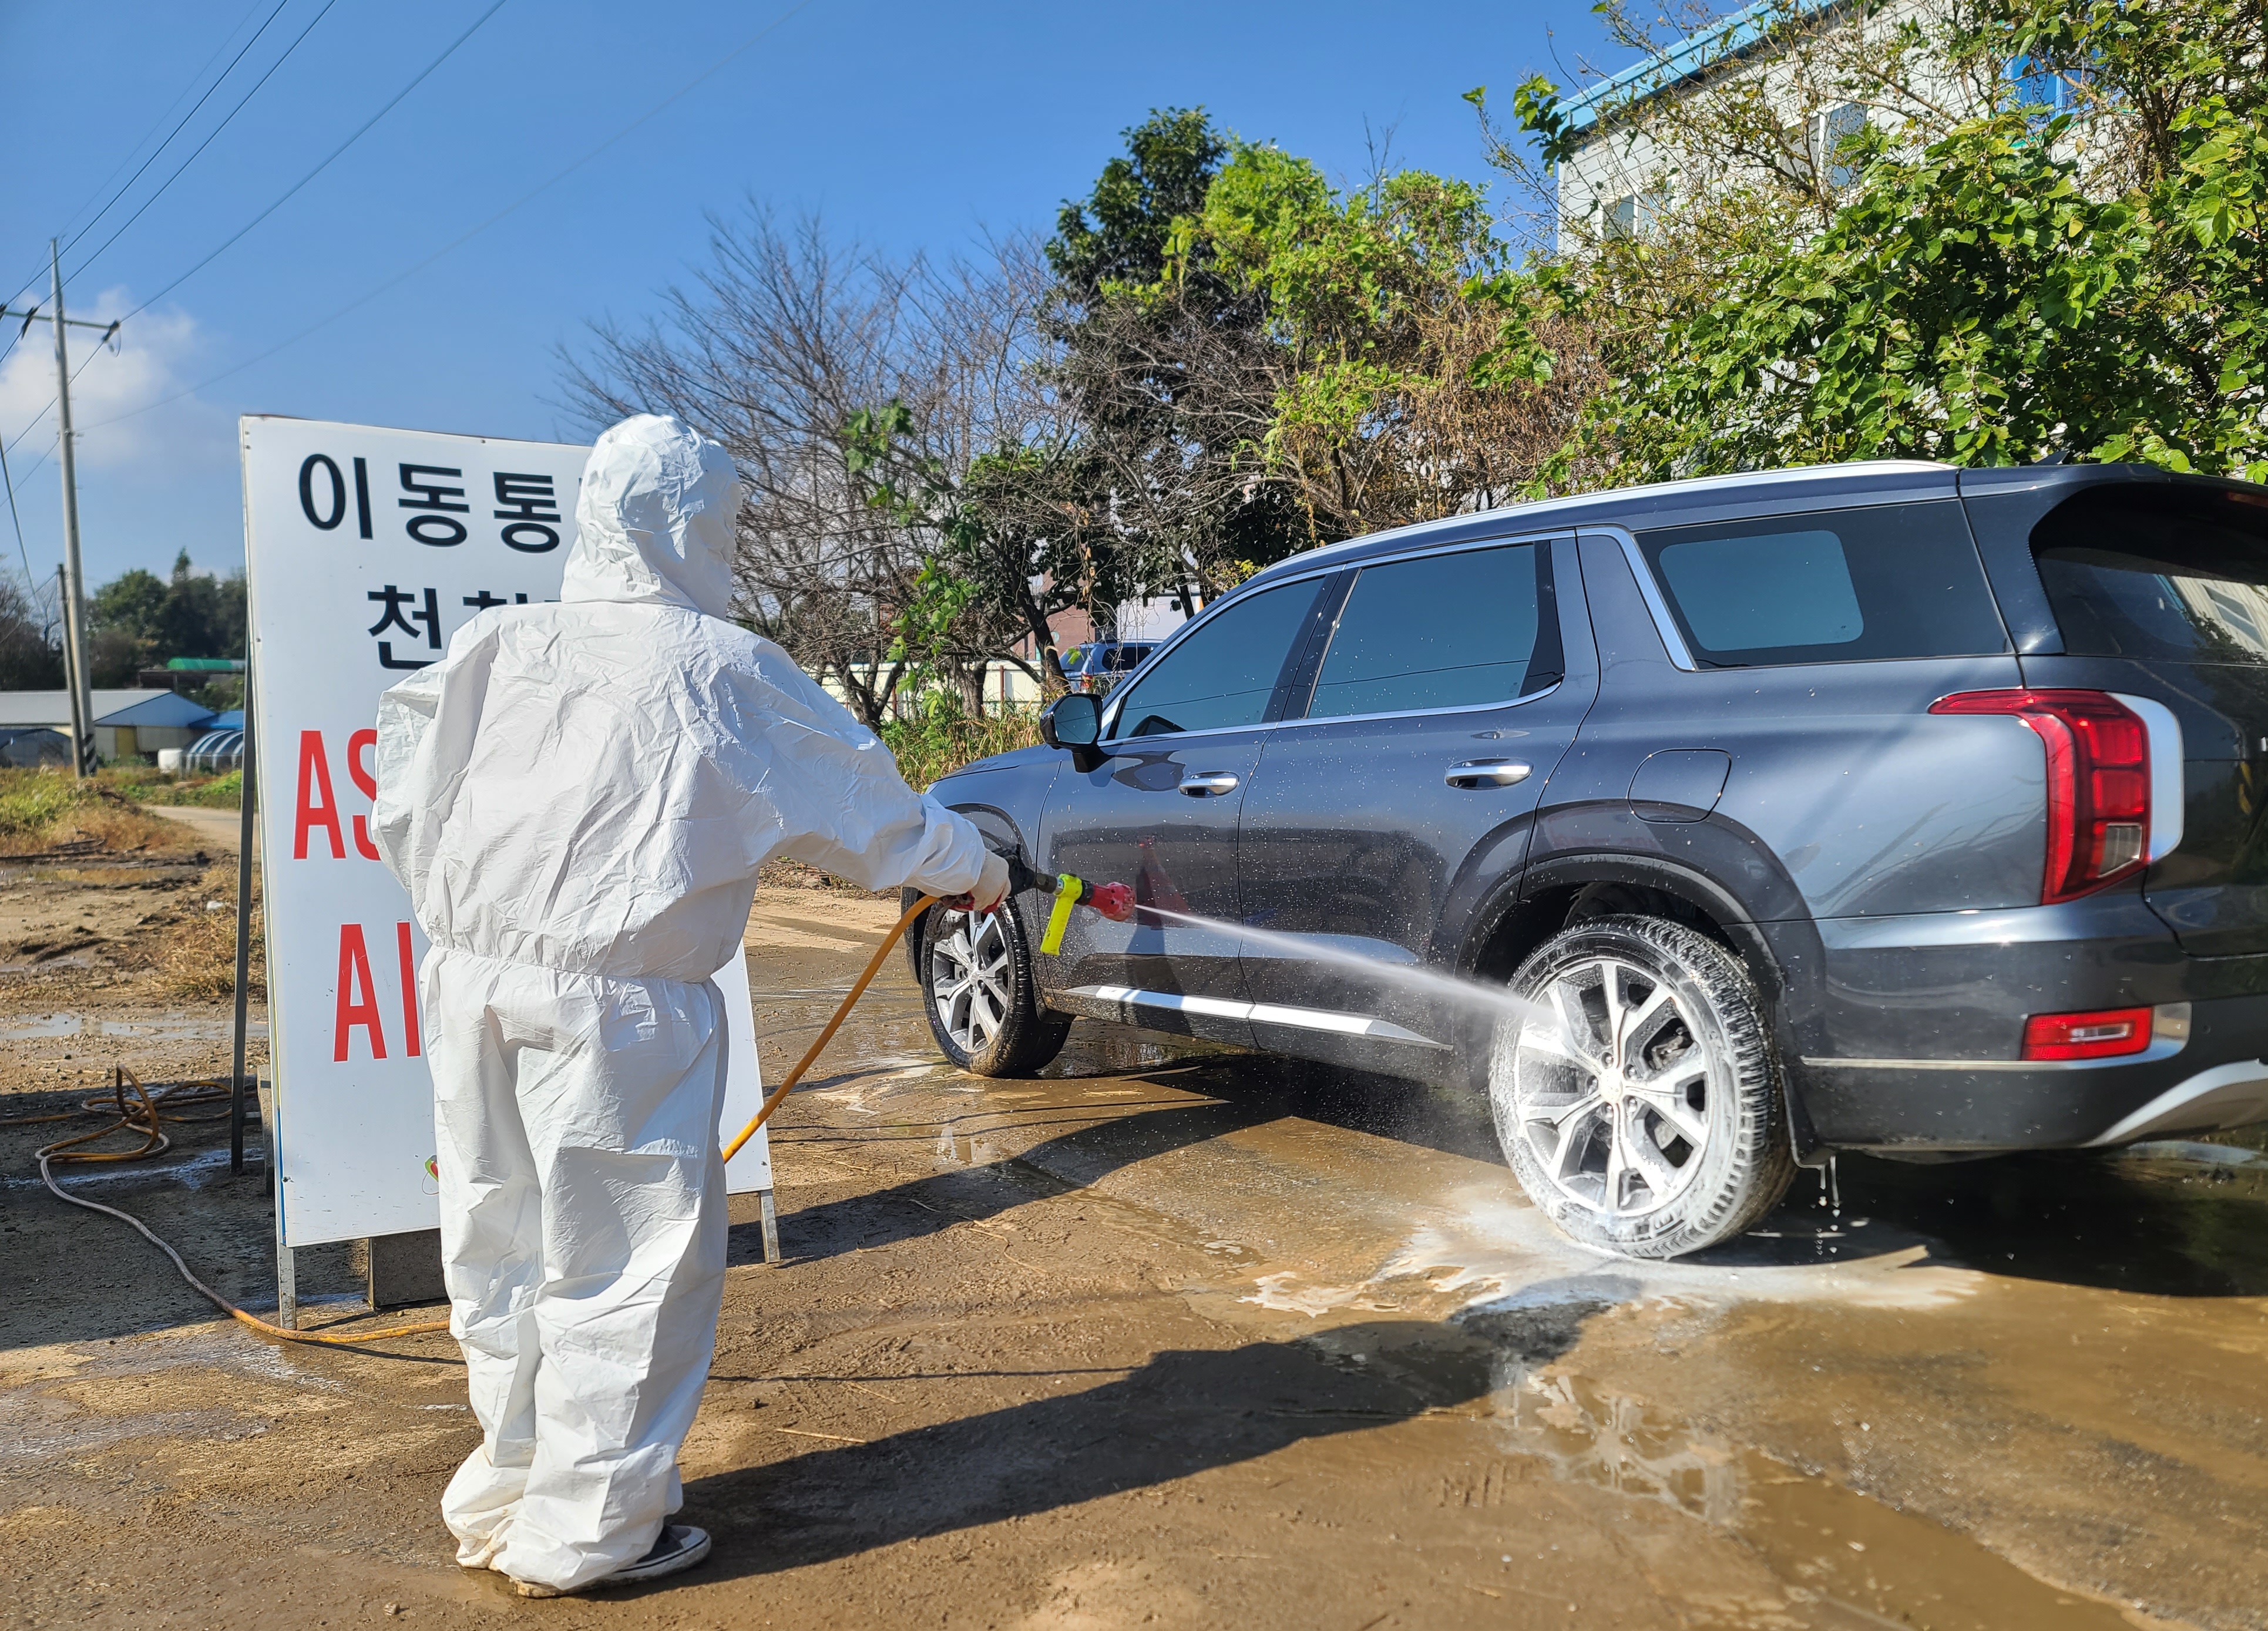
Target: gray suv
{"x":1887,"y":806}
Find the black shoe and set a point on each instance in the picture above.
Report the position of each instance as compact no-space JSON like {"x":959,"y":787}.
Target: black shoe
{"x":678,"y":1547}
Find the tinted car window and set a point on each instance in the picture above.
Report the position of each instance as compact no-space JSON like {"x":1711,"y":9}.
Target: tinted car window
{"x":1895,"y":580}
{"x":1442,"y":631}
{"x":1223,"y":672}
{"x":2169,"y":573}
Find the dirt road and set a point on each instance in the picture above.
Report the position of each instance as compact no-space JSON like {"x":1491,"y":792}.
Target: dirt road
{"x":1180,"y":1341}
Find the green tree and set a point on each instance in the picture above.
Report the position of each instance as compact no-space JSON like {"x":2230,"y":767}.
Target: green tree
{"x":1418,"y":371}
{"x":2087,"y":280}
{"x":1009,"y":541}
{"x":1171,"y":381}
{"x":30,"y":658}
{"x":138,"y":620}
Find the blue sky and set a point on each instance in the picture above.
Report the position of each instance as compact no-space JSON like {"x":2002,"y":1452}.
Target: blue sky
{"x":907,"y":127}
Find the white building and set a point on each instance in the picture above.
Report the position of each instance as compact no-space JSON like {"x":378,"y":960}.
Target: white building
{"x":1792,"y":53}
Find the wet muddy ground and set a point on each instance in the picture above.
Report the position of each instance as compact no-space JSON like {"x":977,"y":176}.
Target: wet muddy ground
{"x":1180,"y":1340}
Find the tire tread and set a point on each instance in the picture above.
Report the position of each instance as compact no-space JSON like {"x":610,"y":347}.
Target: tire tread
{"x":1762,"y":1152}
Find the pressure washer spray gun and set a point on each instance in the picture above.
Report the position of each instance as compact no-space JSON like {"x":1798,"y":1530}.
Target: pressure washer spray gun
{"x":1115,"y":902}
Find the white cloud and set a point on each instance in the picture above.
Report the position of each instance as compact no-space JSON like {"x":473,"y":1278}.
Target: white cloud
{"x":119,"y":404}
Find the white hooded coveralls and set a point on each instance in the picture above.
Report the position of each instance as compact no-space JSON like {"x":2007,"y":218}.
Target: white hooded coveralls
{"x":577,"y":798}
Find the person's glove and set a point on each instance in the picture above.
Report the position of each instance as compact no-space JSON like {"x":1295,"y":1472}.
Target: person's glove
{"x":990,"y":888}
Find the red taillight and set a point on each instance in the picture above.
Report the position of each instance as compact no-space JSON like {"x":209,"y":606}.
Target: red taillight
{"x":2104,"y":1034}
{"x":2098,"y":781}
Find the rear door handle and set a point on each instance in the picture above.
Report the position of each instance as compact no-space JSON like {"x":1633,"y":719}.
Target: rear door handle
{"x":1205,"y":783}
{"x":1486,"y":773}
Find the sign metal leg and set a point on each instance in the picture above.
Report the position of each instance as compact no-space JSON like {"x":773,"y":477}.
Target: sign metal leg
{"x":771,"y":1228}
{"x":287,"y":1290}
{"x":238,"y":1086}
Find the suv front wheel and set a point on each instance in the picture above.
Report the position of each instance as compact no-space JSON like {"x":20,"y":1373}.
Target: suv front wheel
{"x":977,"y":989}
{"x":1638,"y":1097}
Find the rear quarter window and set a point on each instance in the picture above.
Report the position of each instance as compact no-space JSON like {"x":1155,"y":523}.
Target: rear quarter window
{"x":1846,"y":585}
{"x":2158,"y":572}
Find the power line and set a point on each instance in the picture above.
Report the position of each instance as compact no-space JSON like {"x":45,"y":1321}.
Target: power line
{"x":26,"y":287}
{"x":176,"y":130}
{"x":93,"y":352}
{"x":319,"y":169}
{"x":208,"y":142}
{"x":195,"y":80}
{"x":691,"y":84}
{"x":31,"y":583}
{"x":365,"y":129}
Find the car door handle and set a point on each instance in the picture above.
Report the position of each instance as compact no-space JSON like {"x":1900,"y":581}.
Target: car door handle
{"x":1205,"y":783}
{"x":1487,"y":773}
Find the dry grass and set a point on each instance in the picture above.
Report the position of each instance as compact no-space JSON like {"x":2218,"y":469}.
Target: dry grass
{"x":42,"y":812}
{"x":195,"y":953}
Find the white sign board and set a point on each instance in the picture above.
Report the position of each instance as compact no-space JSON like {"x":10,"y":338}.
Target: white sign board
{"x":367,"y":549}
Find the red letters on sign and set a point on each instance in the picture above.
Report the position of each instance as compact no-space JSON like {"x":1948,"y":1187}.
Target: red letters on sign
{"x":409,"y":987}
{"x":366,"y":783}
{"x":357,"y":994}
{"x":318,"y":807}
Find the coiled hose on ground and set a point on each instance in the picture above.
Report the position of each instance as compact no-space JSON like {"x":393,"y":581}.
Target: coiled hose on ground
{"x":149,"y":1112}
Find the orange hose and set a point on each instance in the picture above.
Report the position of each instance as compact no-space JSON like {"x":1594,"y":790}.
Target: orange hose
{"x":827,"y":1034}
{"x":146,"y":1119}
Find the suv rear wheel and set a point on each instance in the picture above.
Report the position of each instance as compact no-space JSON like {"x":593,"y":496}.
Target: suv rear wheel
{"x":1638,"y":1101}
{"x":976,"y":973}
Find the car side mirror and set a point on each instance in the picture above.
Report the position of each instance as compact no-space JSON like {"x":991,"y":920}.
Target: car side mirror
{"x":1074,"y":722}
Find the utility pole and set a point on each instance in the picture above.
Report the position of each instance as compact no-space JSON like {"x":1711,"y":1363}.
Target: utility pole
{"x":82,"y":695}
{"x":70,"y":667}
{"x":74,"y":580}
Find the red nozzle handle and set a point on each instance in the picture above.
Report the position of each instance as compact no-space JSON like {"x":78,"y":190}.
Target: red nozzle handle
{"x":1115,"y":902}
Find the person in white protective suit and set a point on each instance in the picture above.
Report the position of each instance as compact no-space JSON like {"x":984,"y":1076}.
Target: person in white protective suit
{"x":578,"y":796}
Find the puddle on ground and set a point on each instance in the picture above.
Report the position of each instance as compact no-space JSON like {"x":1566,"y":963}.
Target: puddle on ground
{"x":39,"y":1425}
{"x":1839,"y":1556}
{"x":201,"y":1171}
{"x":185,"y":1028}
{"x":1478,"y":1244}
{"x":1830,"y":1547}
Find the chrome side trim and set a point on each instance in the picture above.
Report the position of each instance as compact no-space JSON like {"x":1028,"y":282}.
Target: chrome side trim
{"x":2168,"y":791}
{"x":1219,"y":1008}
{"x":1673,"y":638}
{"x":2229,"y":1095}
{"x":1258,"y":1013}
{"x":1405,"y":713}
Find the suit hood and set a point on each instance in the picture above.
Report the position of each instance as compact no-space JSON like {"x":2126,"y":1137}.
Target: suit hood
{"x":654,"y":522}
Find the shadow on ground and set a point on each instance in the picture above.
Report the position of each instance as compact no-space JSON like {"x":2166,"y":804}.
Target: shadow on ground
{"x":1182,"y":1412}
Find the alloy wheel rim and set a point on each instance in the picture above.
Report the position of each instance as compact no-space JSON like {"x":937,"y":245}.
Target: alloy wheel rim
{"x":970,"y":979}
{"x":1612,"y":1086}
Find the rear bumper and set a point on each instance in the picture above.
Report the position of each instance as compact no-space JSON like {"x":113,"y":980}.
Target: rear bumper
{"x":1902,"y":1032}
{"x":2216,"y":1079}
